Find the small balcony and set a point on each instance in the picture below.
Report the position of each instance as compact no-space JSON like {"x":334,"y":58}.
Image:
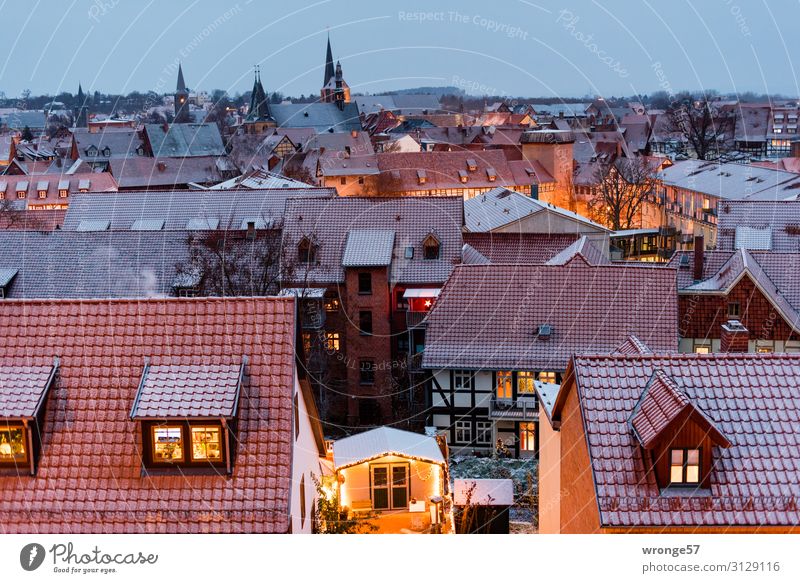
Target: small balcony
{"x":415,"y":362}
{"x":522,"y":409}
{"x":415,"y":319}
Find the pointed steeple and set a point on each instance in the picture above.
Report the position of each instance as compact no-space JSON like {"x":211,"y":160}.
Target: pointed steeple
{"x":329,"y":72}
{"x":181,"y":83}
{"x":81,"y":96}
{"x":259,"y":105}
{"x":81,"y":112}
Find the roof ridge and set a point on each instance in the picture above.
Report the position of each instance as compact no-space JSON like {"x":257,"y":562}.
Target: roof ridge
{"x":139,"y":300}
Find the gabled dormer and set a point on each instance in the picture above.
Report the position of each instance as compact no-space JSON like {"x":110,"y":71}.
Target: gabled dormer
{"x":677,"y":438}
{"x":187,"y":414}
{"x":431,"y":247}
{"x":23,"y":396}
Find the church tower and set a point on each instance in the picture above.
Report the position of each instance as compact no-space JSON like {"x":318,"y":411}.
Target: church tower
{"x":181,"y":100}
{"x":334,"y":89}
{"x":259,"y":117}
{"x":81,"y":113}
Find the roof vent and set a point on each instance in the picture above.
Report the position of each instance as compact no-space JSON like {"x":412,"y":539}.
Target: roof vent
{"x":544,"y":331}
{"x":684,"y":262}
{"x":409,"y":252}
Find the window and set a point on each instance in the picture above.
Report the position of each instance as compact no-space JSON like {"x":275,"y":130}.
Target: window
{"x":13,"y":449}
{"x":527,"y":436}
{"x":332,"y":303}
{"x":306,"y":343}
{"x":306,"y":252}
{"x":684,"y":466}
{"x":206,"y":443}
{"x":365,"y":323}
{"x":365,"y":283}
{"x":765,"y":346}
{"x":332,"y":341}
{"x":42,"y":193}
{"x":503,"y":386}
{"x":167,"y":444}
{"x":62,"y":193}
{"x":483,"y":429}
{"x":734,"y":309}
{"x":430,"y":247}
{"x":463,"y":432}
{"x":547,"y":377}
{"x":296,"y":412}
{"x":21,"y":193}
{"x":525,"y":383}
{"x":361,"y":180}
{"x":462,"y":380}
{"x":367,"y":375}
{"x":303,"y":501}
{"x":702,"y":347}
{"x":402,"y":302}
{"x":343,"y":181}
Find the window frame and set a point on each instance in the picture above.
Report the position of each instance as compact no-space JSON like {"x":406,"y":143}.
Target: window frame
{"x":507,"y":382}
{"x":364,"y":283}
{"x":685,"y":465}
{"x":527,"y":436}
{"x":483,"y":429}
{"x":365,"y":317}
{"x":333,"y":341}
{"x":735,"y":313}
{"x":462,"y":375}
{"x":523,"y":375}
{"x":547,"y":374}
{"x":306,"y":252}
{"x":426,"y":246}
{"x":8,"y":427}
{"x":462,"y":428}
{"x":188,"y":460}
{"x":369,"y":368}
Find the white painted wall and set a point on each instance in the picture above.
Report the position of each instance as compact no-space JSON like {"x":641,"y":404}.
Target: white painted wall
{"x":305,"y":461}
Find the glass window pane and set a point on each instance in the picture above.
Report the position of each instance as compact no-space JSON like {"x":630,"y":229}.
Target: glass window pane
{"x":693,"y":456}
{"x":167,"y":444}
{"x":525,"y":383}
{"x":692,"y":474}
{"x":677,"y":457}
{"x":380,"y":476}
{"x":399,"y":475}
{"x":676,"y":474}
{"x":12,"y":445}
{"x":206,"y":443}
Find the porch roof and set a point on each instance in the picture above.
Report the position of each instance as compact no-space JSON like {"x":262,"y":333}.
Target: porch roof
{"x":383,"y":441}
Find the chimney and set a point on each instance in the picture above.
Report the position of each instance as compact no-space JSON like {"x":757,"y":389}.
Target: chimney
{"x":251,"y":230}
{"x":699,"y":256}
{"x":353,"y":133}
{"x":734,"y":337}
{"x":161,"y":166}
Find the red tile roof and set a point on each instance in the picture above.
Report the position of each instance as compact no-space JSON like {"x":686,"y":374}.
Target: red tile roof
{"x":22,"y":389}
{"x":89,"y":478}
{"x":198,"y":390}
{"x":487,"y":316}
{"x":754,"y":482}
{"x":533,"y":248}
{"x":633,"y":345}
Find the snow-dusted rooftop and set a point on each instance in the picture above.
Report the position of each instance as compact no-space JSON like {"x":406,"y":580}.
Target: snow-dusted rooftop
{"x":382,"y":441}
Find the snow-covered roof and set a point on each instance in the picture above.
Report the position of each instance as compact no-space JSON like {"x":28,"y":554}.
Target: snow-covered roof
{"x":383,"y":441}
{"x":485,"y":492}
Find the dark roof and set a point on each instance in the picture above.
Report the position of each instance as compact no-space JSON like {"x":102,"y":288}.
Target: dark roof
{"x":778,"y":220}
{"x":488,"y":316}
{"x":184,"y":139}
{"x":174,"y":172}
{"x":533,"y":248}
{"x":229,"y":208}
{"x":328,"y":222}
{"x":119,"y":142}
{"x":754,"y":482}
{"x":97,"y":485}
{"x":320,"y":116}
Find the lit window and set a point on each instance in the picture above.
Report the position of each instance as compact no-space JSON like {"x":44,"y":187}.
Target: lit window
{"x":343,"y":181}
{"x":12,"y":445}
{"x":167,"y":444}
{"x":765,"y":347}
{"x":503,"y":388}
{"x":306,"y":343}
{"x":332,"y":304}
{"x":684,"y":466}
{"x":525,"y":383}
{"x":206,"y":444}
{"x":547,"y":377}
{"x":734,"y":309}
{"x":702,"y":348}
{"x":21,"y":193}
{"x":462,"y":380}
{"x":463,"y":432}
{"x":331,"y":341}
{"x":62,"y":193}
{"x":527,"y":436}
{"x":483,"y":429}
{"x":42,"y":193}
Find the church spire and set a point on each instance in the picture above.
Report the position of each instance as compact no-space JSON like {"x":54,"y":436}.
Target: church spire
{"x":81,"y":112}
{"x":329,"y":71}
{"x":181,"y":83}
{"x":259,"y":104}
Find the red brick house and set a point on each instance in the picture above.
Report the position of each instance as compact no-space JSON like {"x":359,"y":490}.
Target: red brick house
{"x":368,"y":270}
{"x":672,"y":443}
{"x":155,"y":416}
{"x":759,"y":290}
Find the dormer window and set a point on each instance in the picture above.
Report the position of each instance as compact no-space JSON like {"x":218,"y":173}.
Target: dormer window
{"x":430,"y":248}
{"x":491,"y":174}
{"x":463,"y":176}
{"x":23,"y":395}
{"x":684,"y":466}
{"x":22,"y":189}
{"x":106,"y":151}
{"x":41,"y":188}
{"x":472,"y":165}
{"x":306,"y":251}
{"x":91,"y":151}
{"x":422,"y":176}
{"x":63,"y":188}
{"x":188,"y":412}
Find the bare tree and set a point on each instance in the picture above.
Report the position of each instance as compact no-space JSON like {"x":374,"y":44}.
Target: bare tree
{"x":707,"y":128}
{"x":14,"y":215}
{"x":621,"y":188}
{"x":232,"y":263}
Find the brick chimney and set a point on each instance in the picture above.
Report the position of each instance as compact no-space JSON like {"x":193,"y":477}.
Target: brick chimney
{"x":699,"y":256}
{"x":734,"y":337}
